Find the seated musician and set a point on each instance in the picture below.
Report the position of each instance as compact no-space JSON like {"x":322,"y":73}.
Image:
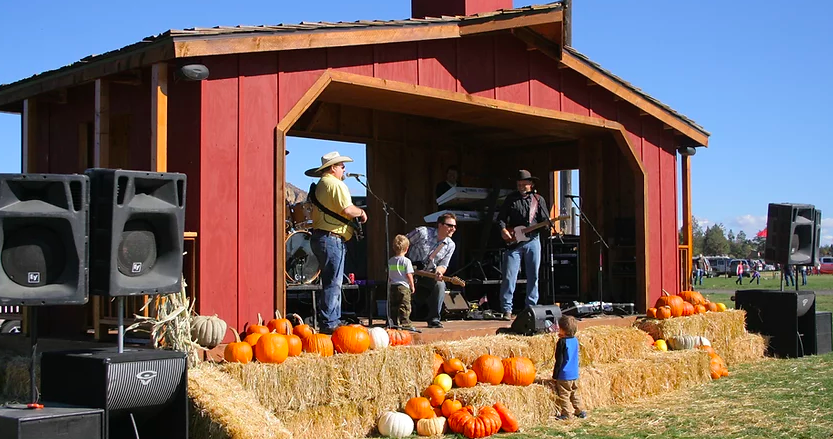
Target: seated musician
{"x":431,"y":250}
{"x":451,"y":180}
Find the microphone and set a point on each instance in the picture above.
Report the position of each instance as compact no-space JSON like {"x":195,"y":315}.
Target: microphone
{"x":355,"y":175}
{"x":572,"y":196}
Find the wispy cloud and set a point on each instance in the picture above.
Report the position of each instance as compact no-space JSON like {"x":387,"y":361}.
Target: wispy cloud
{"x":826,"y":231}
{"x":750,"y":224}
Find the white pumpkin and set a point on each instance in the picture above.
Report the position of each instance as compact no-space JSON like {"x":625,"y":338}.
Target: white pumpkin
{"x":701,"y":341}
{"x":395,"y":424}
{"x":431,"y":427}
{"x":208,"y":331}
{"x":379,"y":338}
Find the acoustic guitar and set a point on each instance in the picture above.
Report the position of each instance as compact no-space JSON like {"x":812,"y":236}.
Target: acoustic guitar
{"x":452,"y":280}
{"x":520,"y":234}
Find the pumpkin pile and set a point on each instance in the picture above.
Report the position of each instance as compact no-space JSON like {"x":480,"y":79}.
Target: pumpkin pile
{"x":487,"y":369}
{"x":432,"y":419}
{"x":687,"y":303}
{"x":717,"y":367}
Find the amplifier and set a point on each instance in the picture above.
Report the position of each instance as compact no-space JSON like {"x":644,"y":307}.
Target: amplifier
{"x":824,"y":332}
{"x":52,"y":422}
{"x":455,"y":305}
{"x":141,"y":389}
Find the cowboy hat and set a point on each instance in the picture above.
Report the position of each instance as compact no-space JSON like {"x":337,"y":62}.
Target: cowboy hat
{"x":523,"y":174}
{"x":327,"y":160}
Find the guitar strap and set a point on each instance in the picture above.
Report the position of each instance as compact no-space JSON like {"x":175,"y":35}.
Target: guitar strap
{"x":314,"y":200}
{"x":533,"y":208}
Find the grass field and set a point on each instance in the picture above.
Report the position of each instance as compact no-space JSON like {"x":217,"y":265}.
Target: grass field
{"x":773,"y":398}
{"x":768,"y":280}
{"x":824,"y":302}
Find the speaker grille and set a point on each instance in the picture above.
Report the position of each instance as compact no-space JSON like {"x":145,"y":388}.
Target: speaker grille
{"x":137,"y":249}
{"x":33,"y":256}
{"x":144,"y":384}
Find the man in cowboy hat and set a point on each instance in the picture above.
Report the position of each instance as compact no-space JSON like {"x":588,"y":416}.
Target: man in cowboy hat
{"x":521,"y":208}
{"x":330,"y":232}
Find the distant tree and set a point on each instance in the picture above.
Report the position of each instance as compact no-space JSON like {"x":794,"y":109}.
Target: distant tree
{"x":741,"y":247}
{"x":731,"y":236}
{"x":826,"y":250}
{"x":759,"y":245}
{"x":698,"y":235}
{"x":714,"y":241}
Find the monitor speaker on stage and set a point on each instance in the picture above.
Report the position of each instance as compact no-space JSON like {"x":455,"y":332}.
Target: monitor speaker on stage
{"x":43,"y":237}
{"x":793,"y":234}
{"x":536,"y":319}
{"x":136,"y":232}
{"x":141,"y":391}
{"x":787,"y":317}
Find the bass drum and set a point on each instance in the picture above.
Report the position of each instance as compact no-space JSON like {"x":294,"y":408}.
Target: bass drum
{"x":301,"y":264}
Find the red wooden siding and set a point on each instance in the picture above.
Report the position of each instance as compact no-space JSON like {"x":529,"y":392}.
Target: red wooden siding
{"x":258,"y":103}
{"x":397,"y":62}
{"x":512,"y":72}
{"x":650,"y":159}
{"x":219,"y":190}
{"x":476,"y":66}
{"x":544,"y":82}
{"x":298,"y":70}
{"x":438,"y":64}
{"x":668,"y":198}
{"x":184,"y":103}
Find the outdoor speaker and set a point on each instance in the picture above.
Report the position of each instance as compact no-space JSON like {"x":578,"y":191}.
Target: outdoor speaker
{"x":141,"y":389}
{"x":787,"y":317}
{"x":52,"y":422}
{"x":43,"y":218}
{"x":824,"y":332}
{"x":536,"y":319}
{"x":136,"y":232}
{"x":793,"y":234}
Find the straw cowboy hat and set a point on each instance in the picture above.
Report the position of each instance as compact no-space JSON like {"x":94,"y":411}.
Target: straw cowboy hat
{"x":327,"y":160}
{"x":523,"y":174}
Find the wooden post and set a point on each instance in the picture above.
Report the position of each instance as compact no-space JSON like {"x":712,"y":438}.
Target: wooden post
{"x":101,"y":160}
{"x":159,"y":118}
{"x":29,"y":136}
{"x":688,"y":230}
{"x":280,"y":220}
{"x":567,"y":7}
{"x":555,"y":209}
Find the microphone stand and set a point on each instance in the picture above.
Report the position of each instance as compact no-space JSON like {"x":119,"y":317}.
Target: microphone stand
{"x":601,"y":241}
{"x":387,"y":209}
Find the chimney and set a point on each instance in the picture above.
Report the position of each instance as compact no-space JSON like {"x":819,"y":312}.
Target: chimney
{"x":438,"y":8}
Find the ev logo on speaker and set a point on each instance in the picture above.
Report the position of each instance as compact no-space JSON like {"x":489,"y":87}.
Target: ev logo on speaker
{"x":34,"y":277}
{"x":137,"y":267}
{"x":146,"y":377}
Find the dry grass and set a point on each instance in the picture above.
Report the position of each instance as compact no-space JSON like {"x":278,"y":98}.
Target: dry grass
{"x":606,"y":344}
{"x":719,"y":327}
{"x":221,"y":408}
{"x":540,"y":348}
{"x":14,"y":378}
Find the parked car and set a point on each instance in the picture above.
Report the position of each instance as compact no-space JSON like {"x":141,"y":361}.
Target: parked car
{"x":733,"y":267}
{"x":826,"y":265}
{"x":719,"y":265}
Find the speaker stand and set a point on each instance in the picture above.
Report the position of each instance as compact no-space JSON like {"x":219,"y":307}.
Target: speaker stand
{"x":120,"y":317}
{"x":33,"y":337}
{"x":601,"y":241}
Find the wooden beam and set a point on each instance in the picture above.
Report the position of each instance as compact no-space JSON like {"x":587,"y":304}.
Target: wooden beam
{"x":512,"y":22}
{"x":539,"y":42}
{"x":280,"y":221}
{"x":159,"y":118}
{"x":688,"y":223}
{"x":29,"y":136}
{"x":191,"y":46}
{"x":132,"y":77}
{"x":102,"y":123}
{"x":634,"y":98}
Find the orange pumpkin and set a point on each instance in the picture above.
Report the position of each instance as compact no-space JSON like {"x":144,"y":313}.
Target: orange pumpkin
{"x":252,"y":339}
{"x":711,"y":306}
{"x":351,"y":340}
{"x":699,"y":309}
{"x":675,"y":302}
{"x":518,"y":371}
{"x":272,"y":348}
{"x":664,"y":312}
{"x":450,"y":406}
{"x":279,"y":325}
{"x":301,"y":329}
{"x":259,"y":328}
{"x":688,"y":309}
{"x":458,"y":419}
{"x":651,"y":313}
{"x":650,"y":340}
{"x":419,"y":408}
{"x":237,"y":351}
{"x":295,"y":345}
{"x":437,"y":367}
{"x":508,"y":422}
{"x":435,"y":395}
{"x":399,"y":337}
{"x":693,"y":297}
{"x":452,"y":366}
{"x":465,"y":379}
{"x":489,"y":369}
{"x":318,"y":344}
{"x":485,"y":424}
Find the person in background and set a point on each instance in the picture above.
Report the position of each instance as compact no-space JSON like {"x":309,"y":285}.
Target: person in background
{"x":756,"y":275}
{"x":803,"y":275}
{"x":788,"y":276}
{"x":566,"y":372}
{"x":401,"y":281}
{"x":452,"y":175}
{"x":739,"y":272}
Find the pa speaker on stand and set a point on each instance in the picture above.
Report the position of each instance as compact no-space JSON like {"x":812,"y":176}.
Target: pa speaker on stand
{"x":793,"y":234}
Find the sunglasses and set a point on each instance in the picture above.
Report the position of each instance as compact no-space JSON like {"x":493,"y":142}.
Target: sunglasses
{"x":453,"y":226}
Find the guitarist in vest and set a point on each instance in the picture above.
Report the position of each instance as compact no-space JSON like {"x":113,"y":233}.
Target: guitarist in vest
{"x":522,"y":208}
{"x":330,"y":232}
{"x":431,"y":250}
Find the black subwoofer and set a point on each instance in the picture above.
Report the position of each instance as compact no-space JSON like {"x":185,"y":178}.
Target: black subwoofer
{"x":43,"y":239}
{"x":787,"y":317}
{"x":52,"y":422}
{"x":137,"y":223}
{"x":142,"y":388}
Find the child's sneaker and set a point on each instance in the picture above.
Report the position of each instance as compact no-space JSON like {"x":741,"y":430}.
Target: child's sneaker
{"x":563,"y":417}
{"x":582,"y":414}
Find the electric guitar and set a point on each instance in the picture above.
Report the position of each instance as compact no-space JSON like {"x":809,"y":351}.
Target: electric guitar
{"x":452,"y":280}
{"x":519,"y":234}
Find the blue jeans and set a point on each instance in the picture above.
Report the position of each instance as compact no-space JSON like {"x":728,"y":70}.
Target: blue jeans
{"x":428,"y":299}
{"x":530,"y":252}
{"x":329,"y":250}
{"x":803,"y":278}
{"x":788,"y":279}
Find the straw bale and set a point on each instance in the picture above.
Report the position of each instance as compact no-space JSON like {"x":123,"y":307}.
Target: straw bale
{"x":353,"y":420}
{"x":221,"y":408}
{"x":719,"y":327}
{"x":607,"y":344}
{"x":530,"y":404}
{"x":745,"y":349}
{"x":15,"y":377}
{"x":387,"y":378}
{"x":539,"y":348}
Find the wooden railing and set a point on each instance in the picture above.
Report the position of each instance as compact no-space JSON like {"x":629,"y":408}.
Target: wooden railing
{"x":105,"y":312}
{"x":684,"y":270}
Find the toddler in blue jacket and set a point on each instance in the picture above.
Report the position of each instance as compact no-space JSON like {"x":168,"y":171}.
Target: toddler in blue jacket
{"x":565,"y":372}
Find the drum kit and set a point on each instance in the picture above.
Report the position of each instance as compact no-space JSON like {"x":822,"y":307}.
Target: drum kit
{"x":301,"y":265}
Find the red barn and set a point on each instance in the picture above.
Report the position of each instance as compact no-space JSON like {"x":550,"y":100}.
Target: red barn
{"x":485,"y":86}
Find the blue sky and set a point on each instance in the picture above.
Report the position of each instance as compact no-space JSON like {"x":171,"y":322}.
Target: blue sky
{"x":755,"y":74}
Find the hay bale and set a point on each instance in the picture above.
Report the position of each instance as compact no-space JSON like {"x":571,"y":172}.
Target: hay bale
{"x":719,"y":327}
{"x":539,"y":348}
{"x":386,"y":377}
{"x":333,"y":422}
{"x":15,"y":378}
{"x":608,"y":344}
{"x":222,"y":408}
{"x":745,"y":349}
{"x":599,"y":386}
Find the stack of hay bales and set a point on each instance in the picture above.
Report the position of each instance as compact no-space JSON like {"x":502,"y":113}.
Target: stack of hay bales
{"x":725,"y":330}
